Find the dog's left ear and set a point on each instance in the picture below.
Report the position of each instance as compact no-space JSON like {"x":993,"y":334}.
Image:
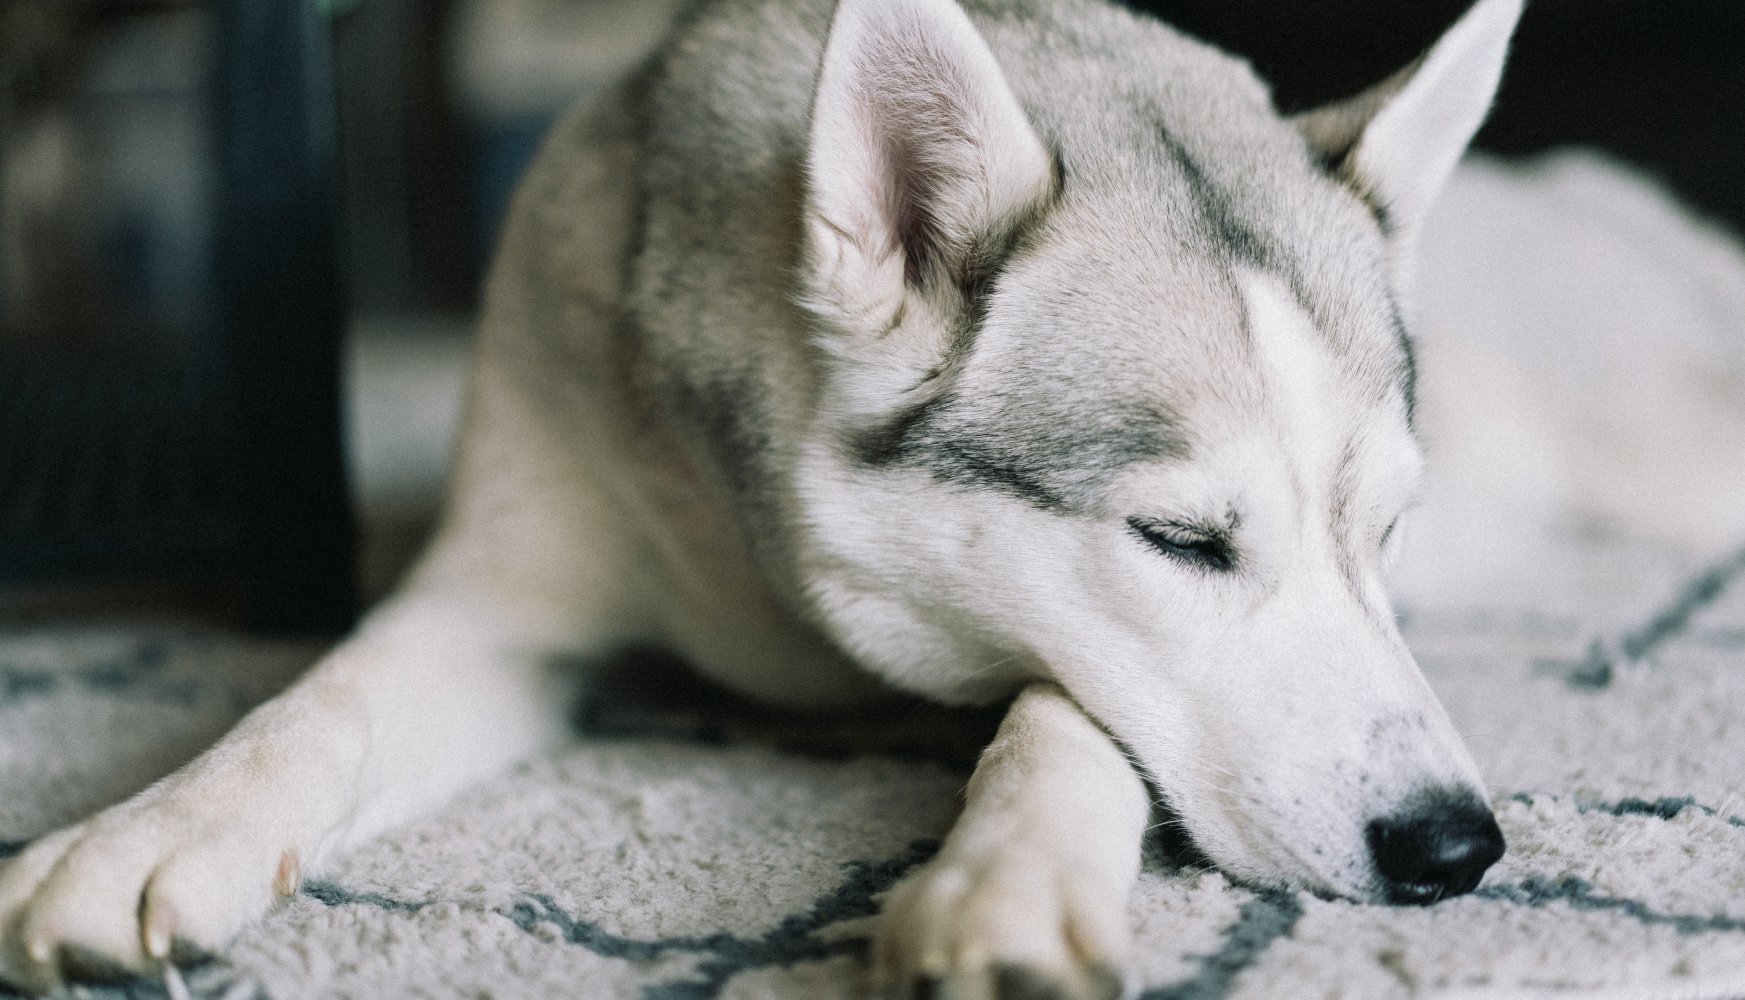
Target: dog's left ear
{"x":1397,"y":143}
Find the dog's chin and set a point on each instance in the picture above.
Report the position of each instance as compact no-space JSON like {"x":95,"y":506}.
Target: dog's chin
{"x":1269,"y":882}
{"x":1181,"y":848}
{"x":1262,"y":880}
{"x":1262,"y":877}
{"x":1353,"y":879}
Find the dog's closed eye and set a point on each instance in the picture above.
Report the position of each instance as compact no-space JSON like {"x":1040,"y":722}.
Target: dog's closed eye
{"x":1198,"y":547}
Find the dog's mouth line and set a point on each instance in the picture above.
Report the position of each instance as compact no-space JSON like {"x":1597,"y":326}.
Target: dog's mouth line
{"x":1171,"y":829}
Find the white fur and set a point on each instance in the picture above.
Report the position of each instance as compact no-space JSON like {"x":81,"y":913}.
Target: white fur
{"x":1300,"y":373}
{"x":1023,"y":882}
{"x":1406,"y":135}
{"x":1410,"y":147}
{"x":912,"y":118}
{"x":582,"y":514}
{"x":1194,"y":675}
{"x":1582,"y":378}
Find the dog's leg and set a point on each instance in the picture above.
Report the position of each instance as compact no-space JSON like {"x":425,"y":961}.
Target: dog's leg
{"x":446,"y":683}
{"x":426,"y":699}
{"x":436,"y":691}
{"x":1028,"y":896}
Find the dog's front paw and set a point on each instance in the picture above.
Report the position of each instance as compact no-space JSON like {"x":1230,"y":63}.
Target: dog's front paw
{"x":160,"y":878}
{"x":1004,"y":923}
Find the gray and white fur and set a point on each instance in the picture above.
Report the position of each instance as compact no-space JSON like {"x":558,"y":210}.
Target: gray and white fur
{"x":1017,"y":348}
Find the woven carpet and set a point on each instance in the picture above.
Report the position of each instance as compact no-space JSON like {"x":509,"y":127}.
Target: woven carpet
{"x":687,"y":846}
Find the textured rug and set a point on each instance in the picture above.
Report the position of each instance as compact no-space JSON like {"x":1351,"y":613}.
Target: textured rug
{"x":677,"y":852}
{"x":686,"y":846}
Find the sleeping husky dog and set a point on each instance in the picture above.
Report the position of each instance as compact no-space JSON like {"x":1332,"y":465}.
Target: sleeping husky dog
{"x":1011,"y":350}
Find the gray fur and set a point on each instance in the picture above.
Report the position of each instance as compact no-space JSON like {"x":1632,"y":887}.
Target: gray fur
{"x":1024,"y":364}
{"x":1174,"y":168}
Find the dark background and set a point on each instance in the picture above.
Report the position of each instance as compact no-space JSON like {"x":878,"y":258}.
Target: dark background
{"x":1661,"y":83}
{"x":236,"y":181}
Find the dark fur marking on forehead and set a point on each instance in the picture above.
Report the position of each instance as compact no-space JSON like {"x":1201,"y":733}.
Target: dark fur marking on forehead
{"x":1229,"y":235}
{"x":1339,"y":168}
{"x":1408,"y":364}
{"x":1337,"y":165}
{"x":989,"y":254}
{"x":979,"y":273}
{"x":911,"y":438}
{"x":1245,"y":246}
{"x":1344,"y":486}
{"x":1056,"y":466}
{"x":971,"y":463}
{"x":1056,"y":461}
{"x":887,"y":444}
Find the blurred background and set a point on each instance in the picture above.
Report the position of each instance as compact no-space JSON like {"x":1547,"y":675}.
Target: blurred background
{"x":241,"y":242}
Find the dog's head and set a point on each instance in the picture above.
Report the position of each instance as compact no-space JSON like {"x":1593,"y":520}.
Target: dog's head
{"x":1118,"y":393}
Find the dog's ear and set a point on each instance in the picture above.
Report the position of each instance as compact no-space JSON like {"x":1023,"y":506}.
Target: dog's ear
{"x":921,"y":164}
{"x":1397,"y":143}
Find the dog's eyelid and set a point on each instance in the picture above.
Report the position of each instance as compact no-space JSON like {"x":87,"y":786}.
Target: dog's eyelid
{"x":1198,"y":544}
{"x":1200,"y":529}
{"x":1412,"y":503}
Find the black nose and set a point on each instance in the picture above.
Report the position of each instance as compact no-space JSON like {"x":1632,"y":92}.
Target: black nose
{"x":1439,"y":845}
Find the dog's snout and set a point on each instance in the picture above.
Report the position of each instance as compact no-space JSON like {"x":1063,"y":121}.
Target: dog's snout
{"x":1439,"y":845}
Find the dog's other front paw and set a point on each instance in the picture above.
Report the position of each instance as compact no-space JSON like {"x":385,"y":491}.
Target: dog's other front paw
{"x":152,"y":880}
{"x":1005,"y":923}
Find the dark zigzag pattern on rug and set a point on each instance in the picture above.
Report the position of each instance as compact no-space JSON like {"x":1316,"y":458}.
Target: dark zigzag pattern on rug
{"x":1665,"y":807}
{"x":1594,"y":672}
{"x":792,"y":940}
{"x":1536,"y":891}
{"x":135,"y":671}
{"x":208,"y":979}
{"x":1261,"y":921}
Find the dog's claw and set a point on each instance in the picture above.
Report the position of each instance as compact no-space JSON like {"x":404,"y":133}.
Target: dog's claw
{"x":141,"y":886}
{"x":289,"y":876}
{"x":41,"y":948}
{"x":159,"y":928}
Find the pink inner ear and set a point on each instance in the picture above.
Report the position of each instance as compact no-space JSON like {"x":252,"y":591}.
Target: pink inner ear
{"x":911,"y":186}
{"x":922,"y":118}
{"x":918,"y":147}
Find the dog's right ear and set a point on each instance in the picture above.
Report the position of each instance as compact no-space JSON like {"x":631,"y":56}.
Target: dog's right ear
{"x":1398,"y":142}
{"x":921,"y":164}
